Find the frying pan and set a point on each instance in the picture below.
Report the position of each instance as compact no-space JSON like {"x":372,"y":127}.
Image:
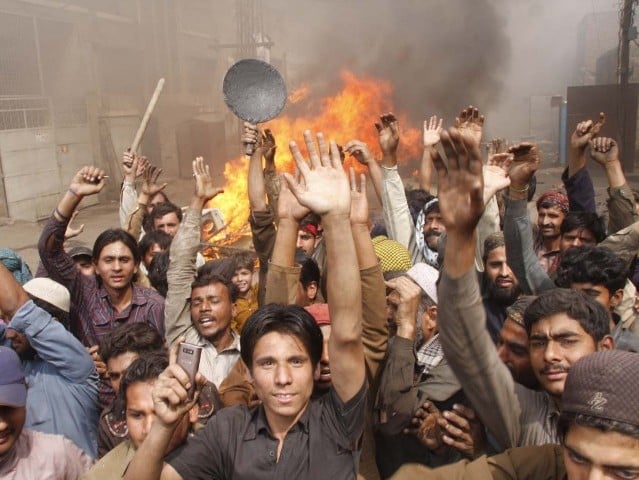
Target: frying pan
{"x":254,"y":91}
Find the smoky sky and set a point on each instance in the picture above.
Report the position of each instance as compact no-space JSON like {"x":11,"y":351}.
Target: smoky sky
{"x":440,"y":55}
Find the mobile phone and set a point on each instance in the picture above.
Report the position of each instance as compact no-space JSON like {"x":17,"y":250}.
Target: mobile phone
{"x":189,"y":359}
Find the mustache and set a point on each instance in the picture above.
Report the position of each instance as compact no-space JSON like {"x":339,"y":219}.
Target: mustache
{"x":432,"y":233}
{"x":555,"y":369}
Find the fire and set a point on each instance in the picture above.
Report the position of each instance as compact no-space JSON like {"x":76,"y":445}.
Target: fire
{"x":348,"y":115}
{"x":299,"y":94}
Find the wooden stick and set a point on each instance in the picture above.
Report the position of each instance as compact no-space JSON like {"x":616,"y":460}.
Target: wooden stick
{"x":147,"y":116}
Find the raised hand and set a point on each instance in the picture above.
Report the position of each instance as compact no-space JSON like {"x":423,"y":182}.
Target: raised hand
{"x":100,"y":366}
{"x":586,"y":131}
{"x":604,"y":151}
{"x":268,"y":147}
{"x":288,"y":207}
{"x":359,"y":200}
{"x":525,"y":163}
{"x":388,"y":131}
{"x":461,"y":185}
{"x":150,"y":185}
{"x":325,"y":189}
{"x":170,"y":391}
{"x":406,"y":301}
{"x":471,"y":123}
{"x":71,"y":232}
{"x":432,"y":131}
{"x":463,"y":431}
{"x":204,"y":188}
{"x":251,"y":135}
{"x":496,"y":174}
{"x":88,"y":181}
{"x":360,"y":151}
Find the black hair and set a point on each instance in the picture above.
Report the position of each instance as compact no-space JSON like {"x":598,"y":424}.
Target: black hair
{"x":287,"y":320}
{"x":567,"y":419}
{"x":114,"y":235}
{"x":592,"y":264}
{"x":162,"y":209}
{"x":416,"y":199}
{"x":584,"y":220}
{"x":162,"y":239}
{"x":311,"y":219}
{"x":244,"y":260}
{"x":157,"y":272}
{"x":591,"y":315}
{"x":144,"y":369}
{"x":136,"y":337}
{"x":310,"y":273}
{"x":204,"y":278}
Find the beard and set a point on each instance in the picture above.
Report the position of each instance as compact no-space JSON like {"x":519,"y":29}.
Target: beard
{"x":432,"y":236}
{"x":503,"y":296}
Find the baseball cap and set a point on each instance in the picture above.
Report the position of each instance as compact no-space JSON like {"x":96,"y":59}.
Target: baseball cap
{"x":49,"y":291}
{"x":13,"y":390}
{"x":80,"y":252}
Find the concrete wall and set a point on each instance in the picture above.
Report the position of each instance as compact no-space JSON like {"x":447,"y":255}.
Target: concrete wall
{"x":38,"y":165}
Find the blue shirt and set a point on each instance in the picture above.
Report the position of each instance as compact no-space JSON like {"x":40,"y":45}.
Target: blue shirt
{"x":62,"y":383}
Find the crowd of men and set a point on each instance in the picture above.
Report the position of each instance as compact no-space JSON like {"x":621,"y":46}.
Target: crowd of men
{"x":452,"y":337}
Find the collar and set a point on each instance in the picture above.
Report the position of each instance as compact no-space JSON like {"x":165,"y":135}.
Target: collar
{"x":259,"y":423}
{"x":137,"y":298}
{"x":122,"y":457}
{"x":235,"y":344}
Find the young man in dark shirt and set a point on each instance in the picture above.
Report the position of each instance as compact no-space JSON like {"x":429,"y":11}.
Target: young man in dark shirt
{"x":288,"y":436}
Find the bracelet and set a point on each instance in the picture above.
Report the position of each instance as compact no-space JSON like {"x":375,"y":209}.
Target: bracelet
{"x":519,"y":190}
{"x":63,"y":217}
{"x":74,"y":193}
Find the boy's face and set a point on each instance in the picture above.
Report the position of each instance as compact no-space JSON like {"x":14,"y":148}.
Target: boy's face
{"x":556,"y":342}
{"x":282,"y":374}
{"x":243,"y":280}
{"x":11,"y":423}
{"x":592,"y":453}
{"x":140,"y":415}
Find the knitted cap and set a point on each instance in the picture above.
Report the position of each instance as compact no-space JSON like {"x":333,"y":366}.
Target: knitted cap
{"x":516,"y":311}
{"x":49,"y":291}
{"x":605,"y":385}
{"x":392,"y":255}
{"x":426,"y":277}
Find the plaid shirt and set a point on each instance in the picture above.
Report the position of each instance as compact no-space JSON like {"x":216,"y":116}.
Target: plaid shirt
{"x":429,"y":355}
{"x":92,"y":315}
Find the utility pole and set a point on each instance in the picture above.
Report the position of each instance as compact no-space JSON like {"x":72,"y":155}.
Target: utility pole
{"x":626,"y":34}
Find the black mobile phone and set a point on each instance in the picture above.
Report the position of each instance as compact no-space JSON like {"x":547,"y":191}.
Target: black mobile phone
{"x":189,"y":359}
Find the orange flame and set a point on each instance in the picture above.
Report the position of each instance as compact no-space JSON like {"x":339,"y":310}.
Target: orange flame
{"x":348,"y":115}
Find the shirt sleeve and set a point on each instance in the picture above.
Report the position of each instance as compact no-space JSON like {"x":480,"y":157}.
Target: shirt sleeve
{"x":53,"y":343}
{"x":263,"y":232}
{"x":622,"y":210}
{"x":519,"y":249}
{"x":180,"y":275}
{"x":128,"y":202}
{"x":467,"y":346}
{"x":580,"y":190}
{"x":345,"y":420}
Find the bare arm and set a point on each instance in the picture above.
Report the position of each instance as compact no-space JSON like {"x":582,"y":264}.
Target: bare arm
{"x":363,"y":155}
{"x":432,"y":130}
{"x":256,"y":188}
{"x":584,"y":132}
{"x":12,"y":295}
{"x":327,"y":175}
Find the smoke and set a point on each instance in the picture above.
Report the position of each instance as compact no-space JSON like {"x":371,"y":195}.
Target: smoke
{"x":440,"y":56}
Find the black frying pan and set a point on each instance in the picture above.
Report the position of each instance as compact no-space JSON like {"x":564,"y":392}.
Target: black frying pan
{"x":254,"y":91}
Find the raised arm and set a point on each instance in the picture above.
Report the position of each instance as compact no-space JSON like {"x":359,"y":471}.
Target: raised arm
{"x":363,"y":155}
{"x":461,"y":317}
{"x":132,"y":168}
{"x":150,"y":187}
{"x":184,"y":248}
{"x":622,"y":210}
{"x":432,"y":130}
{"x":374,"y":325}
{"x":256,"y":189}
{"x":325,"y":174}
{"x":517,"y":229}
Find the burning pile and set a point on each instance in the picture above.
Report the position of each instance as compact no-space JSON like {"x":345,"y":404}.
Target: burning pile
{"x":348,"y":115}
